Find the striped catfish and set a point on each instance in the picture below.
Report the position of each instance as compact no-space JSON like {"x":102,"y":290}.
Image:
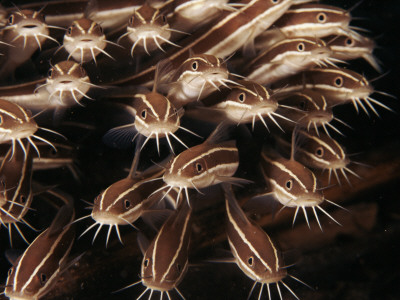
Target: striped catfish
{"x":287,"y":57}
{"x":17,"y":124}
{"x":322,"y":152}
{"x":126,"y":200}
{"x":314,"y":20}
{"x":197,"y":77}
{"x":308,"y":108}
{"x":204,"y":165}
{"x":148,"y":28}
{"x":155,"y":117}
{"x":293,"y":185}
{"x":66,"y":84}
{"x":352,"y":46}
{"x":84,"y":40}
{"x":26,"y":31}
{"x":339,"y":86}
{"x":165,"y":260}
{"x":244,"y":103}
{"x":253,"y":250}
{"x":16,"y":188}
{"x":37,"y":270}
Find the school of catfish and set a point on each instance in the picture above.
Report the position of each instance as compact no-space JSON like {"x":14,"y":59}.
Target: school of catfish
{"x":195,"y":88}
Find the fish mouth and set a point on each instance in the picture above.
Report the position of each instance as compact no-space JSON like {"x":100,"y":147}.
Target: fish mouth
{"x":107,"y":218}
{"x":309,"y":200}
{"x":30,"y":26}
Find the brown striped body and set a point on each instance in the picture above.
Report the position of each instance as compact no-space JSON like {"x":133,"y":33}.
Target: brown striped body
{"x":313,"y":20}
{"x":322,"y":152}
{"x":339,"y":86}
{"x":203,"y":165}
{"x":352,"y":46}
{"x":197,"y":77}
{"x":165,"y":261}
{"x":253,"y":250}
{"x":307,"y":108}
{"x":16,"y":188}
{"x":286,"y":58}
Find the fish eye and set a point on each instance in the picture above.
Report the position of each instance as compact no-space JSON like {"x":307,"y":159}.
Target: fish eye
{"x":319,"y":152}
{"x":195,"y":65}
{"x":144,"y":114}
{"x":1,"y":120}
{"x":164,"y":18}
{"x":43,"y":278}
{"x":250,"y":261}
{"x":3,"y":183}
{"x":69,"y":30}
{"x":127,"y":203}
{"x":274,"y":1}
{"x":11,"y":19}
{"x":349,"y":41}
{"x":321,"y":18}
{"x":242,"y":97}
{"x":338,"y":81}
{"x":22,"y":199}
{"x":10,"y":271}
{"x":198,"y":167}
{"x":302,"y":105}
{"x":50,"y":73}
{"x":146,"y":262}
{"x":289,"y":184}
{"x":179,"y":268}
{"x":53,"y":152}
{"x":300,"y":47}
{"x":131,"y":19}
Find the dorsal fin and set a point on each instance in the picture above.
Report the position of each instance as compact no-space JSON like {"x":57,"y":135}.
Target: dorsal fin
{"x":220,"y":133}
{"x":233,"y":204}
{"x":135,"y":161}
{"x":64,"y":215}
{"x":143,"y":242}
